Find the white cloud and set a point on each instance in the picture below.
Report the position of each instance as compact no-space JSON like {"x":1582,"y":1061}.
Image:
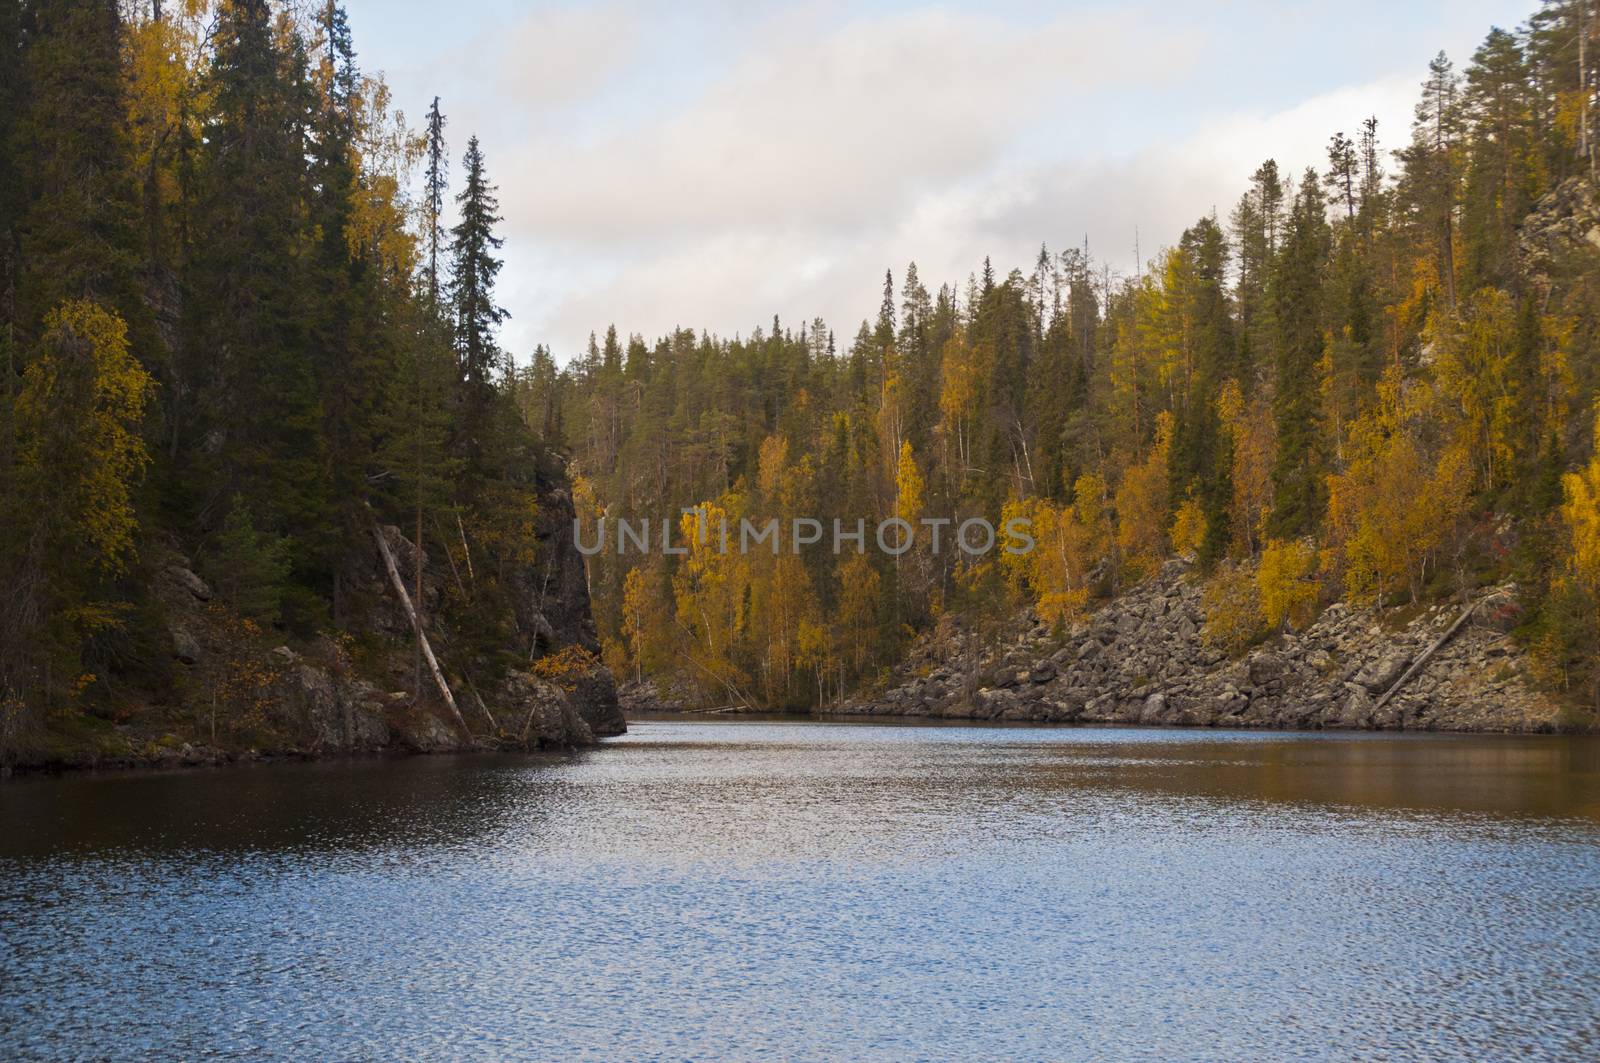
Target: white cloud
{"x":715,"y":161}
{"x":830,"y":128}
{"x":734,"y":280}
{"x":557,"y":56}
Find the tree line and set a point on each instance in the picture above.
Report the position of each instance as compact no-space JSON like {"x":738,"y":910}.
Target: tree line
{"x":1355,"y":384}
{"x":231,"y":329}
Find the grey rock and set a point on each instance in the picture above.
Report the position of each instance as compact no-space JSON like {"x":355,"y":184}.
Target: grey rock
{"x":184,"y":646}
{"x":189,"y":581}
{"x":1265,"y":667}
{"x":1380,"y":675}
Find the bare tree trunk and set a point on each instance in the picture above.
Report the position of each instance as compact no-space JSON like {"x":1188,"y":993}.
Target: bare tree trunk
{"x":1427,"y":655}
{"x":1584,"y":147}
{"x":416,"y":622}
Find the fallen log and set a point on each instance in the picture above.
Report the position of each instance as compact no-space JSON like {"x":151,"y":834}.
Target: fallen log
{"x":416,"y":625}
{"x":1427,"y":654}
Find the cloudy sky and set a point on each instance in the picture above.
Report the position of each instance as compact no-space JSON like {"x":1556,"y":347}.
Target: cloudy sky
{"x":709,"y":163}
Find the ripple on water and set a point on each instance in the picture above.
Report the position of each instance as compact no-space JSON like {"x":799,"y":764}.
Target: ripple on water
{"x":819,"y":891}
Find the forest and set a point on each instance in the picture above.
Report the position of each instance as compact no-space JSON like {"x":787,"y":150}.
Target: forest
{"x":1372,"y":381}
{"x":235,"y":331}
{"x":249,"y":314}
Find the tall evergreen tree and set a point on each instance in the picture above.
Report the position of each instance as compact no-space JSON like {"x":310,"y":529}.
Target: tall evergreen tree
{"x":1296,"y":294}
{"x":1432,"y":163}
{"x":1197,"y":465}
{"x":77,"y":230}
{"x":1256,"y":222}
{"x":251,"y":414}
{"x":435,"y":185}
{"x":1502,"y":159}
{"x":474,"y":268}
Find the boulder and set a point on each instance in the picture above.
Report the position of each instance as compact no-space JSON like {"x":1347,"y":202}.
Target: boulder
{"x":534,"y":712}
{"x":185,"y":578}
{"x":184,"y":645}
{"x":1379,"y":675}
{"x":1265,"y":667}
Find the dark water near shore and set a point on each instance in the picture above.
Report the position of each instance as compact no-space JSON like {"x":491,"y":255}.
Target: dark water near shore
{"x":829,"y":891}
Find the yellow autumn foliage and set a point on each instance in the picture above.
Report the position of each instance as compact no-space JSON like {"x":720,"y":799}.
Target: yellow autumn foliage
{"x":1142,"y":505}
{"x":1287,"y":582}
{"x":1231,"y":603}
{"x":78,"y":417}
{"x":1068,"y":542}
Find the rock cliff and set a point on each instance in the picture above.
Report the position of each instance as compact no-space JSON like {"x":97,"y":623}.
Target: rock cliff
{"x":238,"y":693}
{"x":1141,"y":660}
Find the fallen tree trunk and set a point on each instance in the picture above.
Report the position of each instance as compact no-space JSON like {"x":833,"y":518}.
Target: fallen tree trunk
{"x":1427,"y":654}
{"x":416,"y":625}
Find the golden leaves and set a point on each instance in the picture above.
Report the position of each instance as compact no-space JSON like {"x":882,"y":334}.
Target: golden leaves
{"x":78,"y":418}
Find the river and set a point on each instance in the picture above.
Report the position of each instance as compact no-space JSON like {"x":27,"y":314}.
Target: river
{"x":703,"y":889}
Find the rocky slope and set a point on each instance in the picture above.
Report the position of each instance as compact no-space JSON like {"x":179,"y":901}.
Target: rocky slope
{"x":1141,"y":660}
{"x":238,"y":694}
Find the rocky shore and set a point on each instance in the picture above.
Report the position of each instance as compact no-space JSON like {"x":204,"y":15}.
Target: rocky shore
{"x":237,"y":694}
{"x":1141,"y":660}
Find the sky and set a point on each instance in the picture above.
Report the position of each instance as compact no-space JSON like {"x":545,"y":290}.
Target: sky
{"x":711,"y":163}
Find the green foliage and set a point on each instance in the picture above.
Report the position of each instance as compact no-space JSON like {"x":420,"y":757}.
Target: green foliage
{"x":248,"y":569}
{"x":1355,"y":368}
{"x":68,"y":531}
{"x":1359,"y":380}
{"x":232,"y":173}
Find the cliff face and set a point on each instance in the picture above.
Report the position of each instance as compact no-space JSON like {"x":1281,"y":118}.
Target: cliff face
{"x":553,"y":607}
{"x":236,"y":693}
{"x":560,"y":695}
{"x":1562,"y":234}
{"x":1141,"y":660}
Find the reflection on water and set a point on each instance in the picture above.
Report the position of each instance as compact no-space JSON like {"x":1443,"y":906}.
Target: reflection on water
{"x":699,"y":889}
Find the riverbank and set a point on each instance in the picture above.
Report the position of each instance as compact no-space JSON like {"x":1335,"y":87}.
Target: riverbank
{"x":1141,"y":659}
{"x":227,"y":690}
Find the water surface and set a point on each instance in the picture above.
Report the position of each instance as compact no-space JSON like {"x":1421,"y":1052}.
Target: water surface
{"x":830,"y":891}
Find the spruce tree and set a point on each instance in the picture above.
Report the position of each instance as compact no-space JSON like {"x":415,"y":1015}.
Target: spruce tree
{"x":1197,"y":465}
{"x":77,"y":230}
{"x":251,"y":415}
{"x":474,"y":268}
{"x":1431,"y":169}
{"x":1500,"y":182}
{"x":351,"y":336}
{"x":1296,"y":294}
{"x":435,"y":183}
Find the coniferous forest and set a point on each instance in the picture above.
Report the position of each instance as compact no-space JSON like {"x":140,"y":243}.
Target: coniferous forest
{"x":235,"y":331}
{"x":1373,"y":380}
{"x":281,"y":480}
{"x":238,"y":328}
